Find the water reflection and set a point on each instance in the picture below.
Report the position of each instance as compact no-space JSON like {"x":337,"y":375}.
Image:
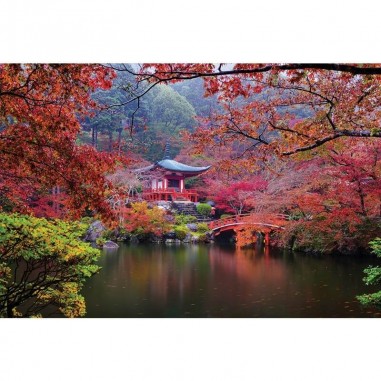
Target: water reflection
{"x":213,"y":281}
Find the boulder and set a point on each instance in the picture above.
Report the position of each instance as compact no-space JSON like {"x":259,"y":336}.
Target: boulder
{"x":170,"y":235}
{"x":110,"y":245}
{"x":94,"y":231}
{"x":210,"y":236}
{"x":166,"y":205}
{"x":155,"y":239}
{"x":192,"y":227}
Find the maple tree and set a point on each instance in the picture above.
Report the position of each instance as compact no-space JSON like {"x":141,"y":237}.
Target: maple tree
{"x":325,"y":117}
{"x":333,"y":201}
{"x":126,"y":188}
{"x":41,"y":107}
{"x":240,"y":197}
{"x":43,"y":266}
{"x":279,"y":109}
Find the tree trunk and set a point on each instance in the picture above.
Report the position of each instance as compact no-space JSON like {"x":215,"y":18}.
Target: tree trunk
{"x":362,"y":200}
{"x":110,"y":140}
{"x":93,"y":136}
{"x":119,"y":140}
{"x":10,"y":310}
{"x":96,"y":138}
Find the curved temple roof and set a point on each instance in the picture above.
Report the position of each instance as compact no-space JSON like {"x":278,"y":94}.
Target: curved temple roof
{"x":174,"y":166}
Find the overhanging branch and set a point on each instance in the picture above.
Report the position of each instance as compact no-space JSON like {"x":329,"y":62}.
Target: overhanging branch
{"x":336,"y":135}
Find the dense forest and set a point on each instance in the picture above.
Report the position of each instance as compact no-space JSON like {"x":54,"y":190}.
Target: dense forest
{"x":301,"y":141}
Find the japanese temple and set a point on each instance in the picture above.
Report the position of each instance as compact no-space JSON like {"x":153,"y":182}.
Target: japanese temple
{"x":166,"y":178}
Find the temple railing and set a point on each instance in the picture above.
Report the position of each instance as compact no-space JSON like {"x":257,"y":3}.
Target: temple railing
{"x":170,"y":194}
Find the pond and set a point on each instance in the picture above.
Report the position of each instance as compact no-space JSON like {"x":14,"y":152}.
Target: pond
{"x":219,"y":281}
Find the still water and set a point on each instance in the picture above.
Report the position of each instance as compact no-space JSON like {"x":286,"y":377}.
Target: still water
{"x":214,"y":281}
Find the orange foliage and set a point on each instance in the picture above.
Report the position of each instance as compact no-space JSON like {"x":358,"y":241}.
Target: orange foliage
{"x":140,"y":219}
{"x":281,"y":109}
{"x":326,"y":118}
{"x":40,"y":110}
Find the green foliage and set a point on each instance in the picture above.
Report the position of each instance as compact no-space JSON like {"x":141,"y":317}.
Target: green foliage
{"x":108,"y":234}
{"x":166,"y":114}
{"x":202,"y":238}
{"x":194,"y":182}
{"x":183,"y":219}
{"x":204,"y":209}
{"x":181,"y":232}
{"x":226,"y":215}
{"x":87,"y":220}
{"x":202,"y":227}
{"x":110,"y":122}
{"x":172,"y":110}
{"x":370,"y":299}
{"x":373,"y":277}
{"x":117,"y":234}
{"x":100,"y":241}
{"x":43,"y":266}
{"x":194,"y":92}
{"x":296,"y":216}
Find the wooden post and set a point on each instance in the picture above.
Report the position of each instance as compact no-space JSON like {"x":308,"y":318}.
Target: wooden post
{"x":267,"y":239}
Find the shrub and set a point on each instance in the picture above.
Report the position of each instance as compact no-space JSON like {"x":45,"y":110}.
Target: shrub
{"x":181,"y":232}
{"x":373,"y":277}
{"x":202,"y":227}
{"x":100,"y":241}
{"x":202,"y":238}
{"x":108,"y":234}
{"x":204,"y":209}
{"x":87,"y":220}
{"x":183,"y":219}
{"x":140,"y":219}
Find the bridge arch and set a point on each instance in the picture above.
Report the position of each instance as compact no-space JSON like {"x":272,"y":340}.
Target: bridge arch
{"x":264,"y":223}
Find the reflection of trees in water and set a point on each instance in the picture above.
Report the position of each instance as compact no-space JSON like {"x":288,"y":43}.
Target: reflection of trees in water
{"x":172,"y":273}
{"x":202,"y":280}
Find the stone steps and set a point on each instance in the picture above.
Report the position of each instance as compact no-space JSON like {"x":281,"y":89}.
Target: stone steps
{"x":188,"y":208}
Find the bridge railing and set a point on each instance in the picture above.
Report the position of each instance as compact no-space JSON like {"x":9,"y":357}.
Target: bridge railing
{"x":247,"y":218}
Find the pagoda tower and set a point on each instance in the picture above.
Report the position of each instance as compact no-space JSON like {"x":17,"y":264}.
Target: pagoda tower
{"x":166,"y":178}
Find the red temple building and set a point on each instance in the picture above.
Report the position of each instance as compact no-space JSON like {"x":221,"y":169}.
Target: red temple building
{"x":166,"y":179}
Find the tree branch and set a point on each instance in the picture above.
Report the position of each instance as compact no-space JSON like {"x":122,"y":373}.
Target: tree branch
{"x":336,"y":135}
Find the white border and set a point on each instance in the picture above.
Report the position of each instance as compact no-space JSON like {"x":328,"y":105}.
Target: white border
{"x":193,"y":31}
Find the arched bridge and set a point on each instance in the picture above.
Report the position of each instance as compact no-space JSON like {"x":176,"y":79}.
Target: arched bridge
{"x":263,"y":223}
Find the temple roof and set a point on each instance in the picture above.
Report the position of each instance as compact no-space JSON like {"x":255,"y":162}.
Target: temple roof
{"x":175,"y":166}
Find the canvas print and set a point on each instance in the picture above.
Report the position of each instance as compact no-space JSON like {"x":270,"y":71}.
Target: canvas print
{"x":190,"y":190}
